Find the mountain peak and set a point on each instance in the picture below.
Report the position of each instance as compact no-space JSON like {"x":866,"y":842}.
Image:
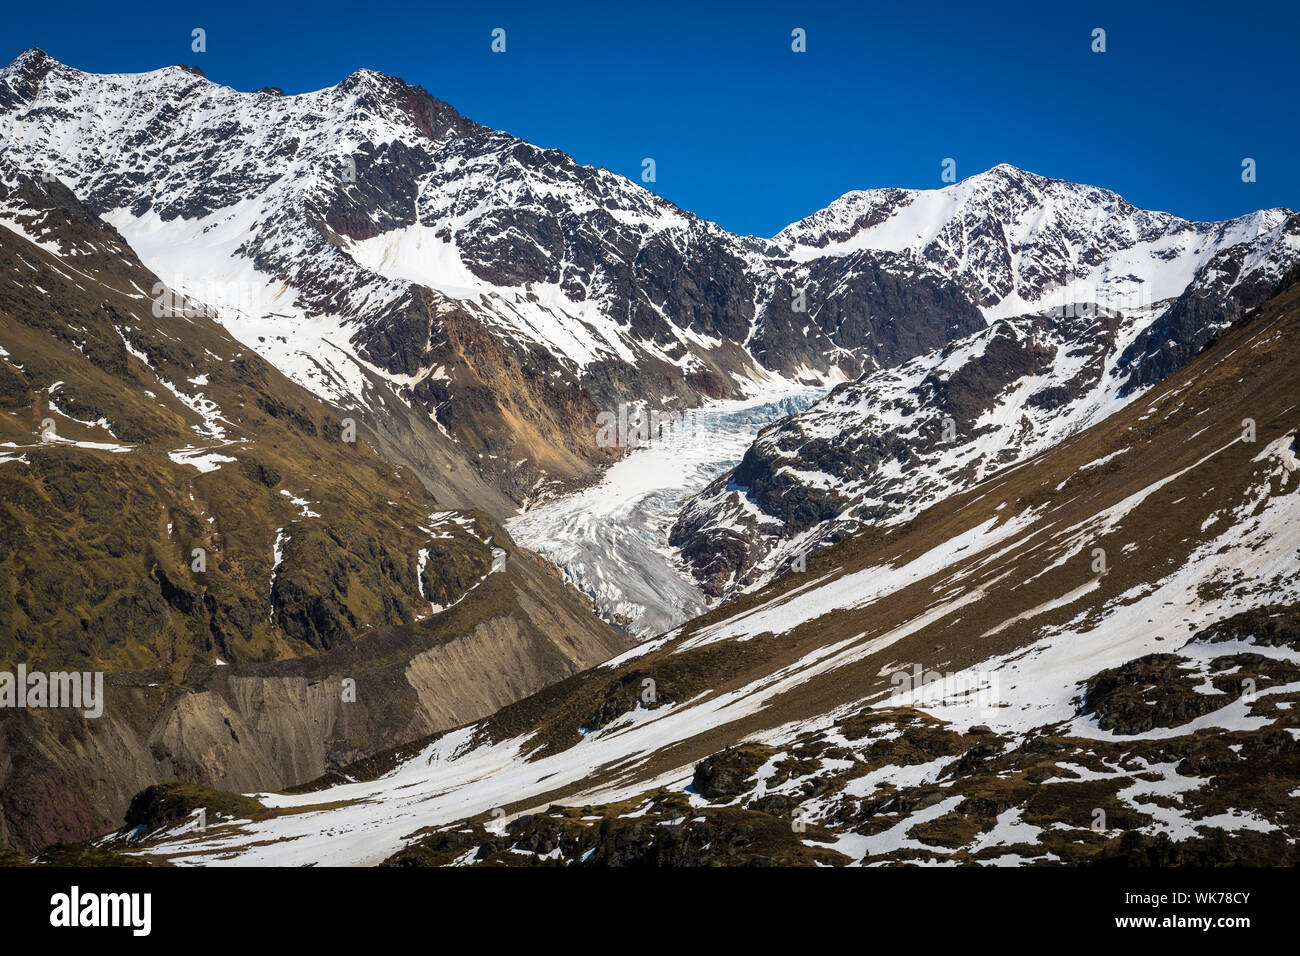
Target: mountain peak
{"x":366,"y":78}
{"x":33,"y":63}
{"x":432,"y":116}
{"x":1005,"y":171}
{"x":31,"y":55}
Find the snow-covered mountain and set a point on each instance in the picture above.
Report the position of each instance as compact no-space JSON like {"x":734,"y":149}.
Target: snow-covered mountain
{"x":403,"y":261}
{"x":1010,"y":356}
{"x":1017,"y":242}
{"x":881,"y":450}
{"x":386,"y":252}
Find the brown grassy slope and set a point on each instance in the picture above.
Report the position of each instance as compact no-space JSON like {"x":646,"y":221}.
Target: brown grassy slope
{"x":96,"y":551}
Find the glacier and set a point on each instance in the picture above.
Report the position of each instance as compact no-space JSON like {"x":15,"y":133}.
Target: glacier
{"x":611,"y":540}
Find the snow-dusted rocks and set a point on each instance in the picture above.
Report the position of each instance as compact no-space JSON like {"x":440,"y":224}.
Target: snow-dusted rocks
{"x":880,"y":450}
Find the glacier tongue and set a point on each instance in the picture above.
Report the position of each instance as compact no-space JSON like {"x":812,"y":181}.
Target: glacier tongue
{"x":611,"y":540}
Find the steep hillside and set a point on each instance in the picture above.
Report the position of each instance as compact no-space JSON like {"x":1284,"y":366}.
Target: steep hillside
{"x":179,"y":514}
{"x":1089,"y":657}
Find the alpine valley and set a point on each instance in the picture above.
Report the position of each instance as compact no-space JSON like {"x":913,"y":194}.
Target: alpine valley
{"x":945,"y":526}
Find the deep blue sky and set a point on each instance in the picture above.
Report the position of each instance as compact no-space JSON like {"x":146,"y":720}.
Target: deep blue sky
{"x":751,"y":135}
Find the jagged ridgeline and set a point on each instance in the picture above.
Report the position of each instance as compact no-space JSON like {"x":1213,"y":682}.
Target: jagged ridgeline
{"x":390,"y":254}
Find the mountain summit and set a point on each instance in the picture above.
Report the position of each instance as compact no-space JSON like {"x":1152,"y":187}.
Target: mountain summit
{"x":1018,"y":242}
